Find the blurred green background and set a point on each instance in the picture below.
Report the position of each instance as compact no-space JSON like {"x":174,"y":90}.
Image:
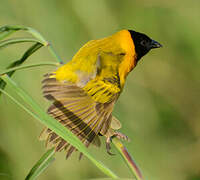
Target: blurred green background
{"x":160,"y":105}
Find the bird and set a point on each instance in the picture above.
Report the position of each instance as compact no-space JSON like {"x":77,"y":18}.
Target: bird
{"x":84,"y":91}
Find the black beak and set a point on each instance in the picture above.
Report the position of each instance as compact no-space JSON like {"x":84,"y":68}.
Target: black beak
{"x":155,"y":44}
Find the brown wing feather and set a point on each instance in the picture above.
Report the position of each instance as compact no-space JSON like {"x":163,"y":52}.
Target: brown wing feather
{"x":77,"y":111}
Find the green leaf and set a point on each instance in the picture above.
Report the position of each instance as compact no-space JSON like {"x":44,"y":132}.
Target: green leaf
{"x":28,"y":66}
{"x":8,"y":30}
{"x":41,"y":165}
{"x":8,"y":42}
{"x":54,"y":125}
{"x":25,"y":56}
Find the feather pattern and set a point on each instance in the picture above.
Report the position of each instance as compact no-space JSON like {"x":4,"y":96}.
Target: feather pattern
{"x":77,"y":111}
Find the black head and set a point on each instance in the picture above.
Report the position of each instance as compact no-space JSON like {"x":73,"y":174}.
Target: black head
{"x":143,"y":44}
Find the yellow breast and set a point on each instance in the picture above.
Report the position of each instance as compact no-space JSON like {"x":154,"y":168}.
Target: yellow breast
{"x":129,"y":60}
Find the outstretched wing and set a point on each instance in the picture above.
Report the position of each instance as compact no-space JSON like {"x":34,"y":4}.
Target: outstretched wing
{"x":77,"y":111}
{"x":85,"y":106}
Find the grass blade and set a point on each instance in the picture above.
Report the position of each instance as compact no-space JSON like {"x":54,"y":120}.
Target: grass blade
{"x":7,"y":30}
{"x":25,"y":56}
{"x":37,"y":35}
{"x":8,"y":42}
{"x":41,"y":165}
{"x":128,"y":159}
{"x":28,"y":53}
{"x":28,"y":66}
{"x":54,"y":125}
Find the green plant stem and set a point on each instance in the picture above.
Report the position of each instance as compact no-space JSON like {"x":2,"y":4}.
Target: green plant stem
{"x":20,"y":104}
{"x":55,"y":126}
{"x":128,"y":159}
{"x":7,"y":30}
{"x":53,"y":52}
{"x":28,"y":66}
{"x":41,"y":165}
{"x":37,"y":35}
{"x":16,"y":40}
{"x":16,"y":63}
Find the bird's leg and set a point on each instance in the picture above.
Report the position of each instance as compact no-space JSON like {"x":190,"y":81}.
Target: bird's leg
{"x":119,"y":135}
{"x":110,"y":135}
{"x":108,"y":147}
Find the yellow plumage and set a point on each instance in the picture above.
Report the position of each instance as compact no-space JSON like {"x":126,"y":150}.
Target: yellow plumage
{"x":85,"y":89}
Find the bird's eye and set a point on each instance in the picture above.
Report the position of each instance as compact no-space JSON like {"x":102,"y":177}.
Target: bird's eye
{"x":143,"y":43}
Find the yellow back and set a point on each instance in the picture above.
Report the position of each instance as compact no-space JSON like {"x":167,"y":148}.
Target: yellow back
{"x":117,"y":53}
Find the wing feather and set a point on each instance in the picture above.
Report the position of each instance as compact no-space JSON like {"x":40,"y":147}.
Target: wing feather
{"x":83,"y":107}
{"x":77,"y":111}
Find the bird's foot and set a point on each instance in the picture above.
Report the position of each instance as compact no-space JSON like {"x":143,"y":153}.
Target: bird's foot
{"x":109,"y":140}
